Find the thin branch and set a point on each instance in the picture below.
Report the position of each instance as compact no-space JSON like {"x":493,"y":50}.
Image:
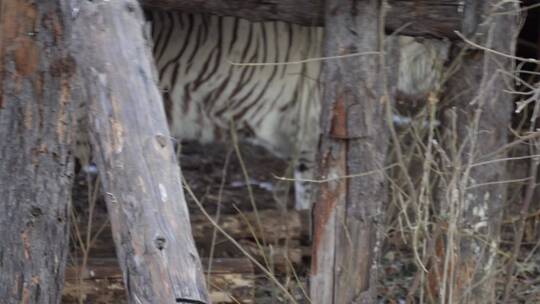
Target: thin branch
{"x":478,"y":46}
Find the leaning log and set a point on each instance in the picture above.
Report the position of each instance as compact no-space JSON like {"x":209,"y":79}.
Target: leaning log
{"x":36,"y":166}
{"x":348,"y":210}
{"x":134,"y":154}
{"x":439,"y":18}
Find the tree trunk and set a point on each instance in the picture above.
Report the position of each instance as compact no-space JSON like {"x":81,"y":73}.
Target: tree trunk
{"x":36,"y":165}
{"x":348,"y":211}
{"x":410,"y":17}
{"x":135,"y":156}
{"x":476,"y":128}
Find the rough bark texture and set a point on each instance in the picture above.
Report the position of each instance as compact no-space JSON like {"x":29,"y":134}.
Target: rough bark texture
{"x":411,"y":17}
{"x":477,"y":123}
{"x":35,"y":151}
{"x":348,"y":211}
{"x":134,"y":154}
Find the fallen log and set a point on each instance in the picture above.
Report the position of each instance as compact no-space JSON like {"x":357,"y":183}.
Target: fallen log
{"x":276,"y":225}
{"x":231,"y":280}
{"x":284,"y":235}
{"x":106,"y":268}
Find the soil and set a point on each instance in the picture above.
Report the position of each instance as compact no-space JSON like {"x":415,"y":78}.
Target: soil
{"x":203,"y":167}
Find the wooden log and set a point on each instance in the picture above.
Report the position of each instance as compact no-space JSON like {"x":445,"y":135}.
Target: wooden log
{"x":477,"y":121}
{"x":284,"y":236}
{"x":275,"y":225}
{"x":134,"y":155}
{"x":103,"y":268}
{"x":232,"y":280}
{"x":36,"y":166}
{"x":278,"y":259}
{"x":348,"y":211}
{"x":438,"y":18}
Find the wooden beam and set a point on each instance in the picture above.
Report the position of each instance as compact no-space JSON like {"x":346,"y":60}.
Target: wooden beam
{"x":36,"y":163}
{"x":439,"y":18}
{"x":134,"y":154}
{"x":348,"y":212}
{"x":102,"y":268}
{"x":285,"y":233}
{"x":275,"y":225}
{"x":232,"y":280}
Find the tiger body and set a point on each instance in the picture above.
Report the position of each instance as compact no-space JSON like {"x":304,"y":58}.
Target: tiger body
{"x":221,"y":74}
{"x":207,"y":86}
{"x":218,"y":72}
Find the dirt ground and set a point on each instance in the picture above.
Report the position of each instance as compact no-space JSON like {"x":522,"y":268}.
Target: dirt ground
{"x":237,"y":279}
{"x":206,"y":169}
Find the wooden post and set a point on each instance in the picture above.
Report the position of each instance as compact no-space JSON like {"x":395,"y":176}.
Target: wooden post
{"x":134,"y":154}
{"x":476,"y":127}
{"x":348,"y":211}
{"x":35,"y":151}
{"x":438,"y":18}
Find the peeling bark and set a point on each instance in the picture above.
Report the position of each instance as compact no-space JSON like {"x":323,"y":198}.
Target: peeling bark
{"x":348,"y":211}
{"x":36,"y":166}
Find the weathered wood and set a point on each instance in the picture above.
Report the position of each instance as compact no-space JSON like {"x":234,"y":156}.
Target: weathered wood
{"x":278,"y":258}
{"x":274,"y":225}
{"x":348,"y":211}
{"x":135,"y":156}
{"x":232,"y":280}
{"x":411,"y":17}
{"x":477,"y":122}
{"x":101,"y":268}
{"x":36,"y":166}
{"x":283,"y":238}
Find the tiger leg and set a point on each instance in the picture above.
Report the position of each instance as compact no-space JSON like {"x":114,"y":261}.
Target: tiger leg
{"x":303,"y":185}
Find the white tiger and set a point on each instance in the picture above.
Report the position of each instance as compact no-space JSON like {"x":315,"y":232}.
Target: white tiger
{"x":209,"y":81}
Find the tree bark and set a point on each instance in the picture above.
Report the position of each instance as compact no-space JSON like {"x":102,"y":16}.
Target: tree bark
{"x":348,"y":211}
{"x":36,"y":166}
{"x":134,"y":154}
{"x":409,"y":17}
{"x":476,"y":126}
